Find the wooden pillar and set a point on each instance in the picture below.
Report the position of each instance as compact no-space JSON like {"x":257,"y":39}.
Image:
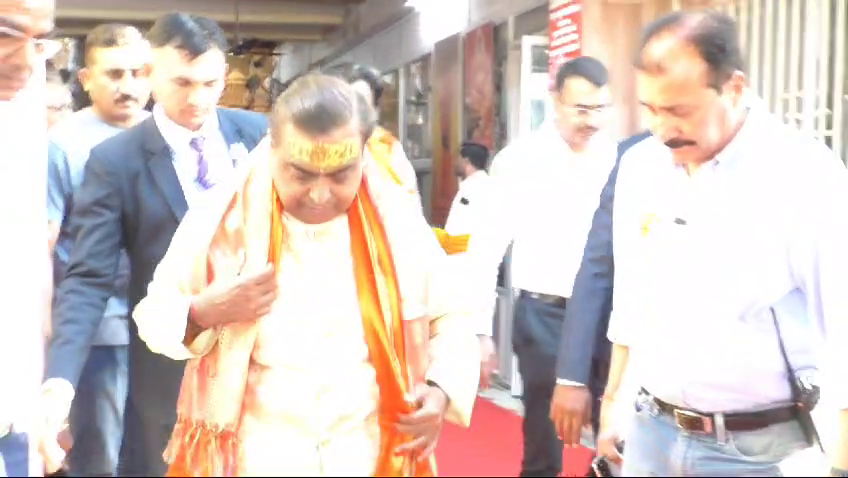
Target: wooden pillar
{"x":446,"y":124}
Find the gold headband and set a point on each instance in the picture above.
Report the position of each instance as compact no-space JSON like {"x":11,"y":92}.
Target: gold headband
{"x":323,"y":155}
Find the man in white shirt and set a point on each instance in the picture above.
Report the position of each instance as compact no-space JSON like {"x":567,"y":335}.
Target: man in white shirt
{"x":730,"y":262}
{"x":546,"y":187}
{"x":24,"y":48}
{"x":474,"y":189}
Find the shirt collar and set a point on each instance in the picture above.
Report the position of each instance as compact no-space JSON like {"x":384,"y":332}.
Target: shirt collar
{"x":754,"y":118}
{"x":178,"y":137}
{"x":475,"y":177}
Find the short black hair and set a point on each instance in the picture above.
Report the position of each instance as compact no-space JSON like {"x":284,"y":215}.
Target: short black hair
{"x":714,"y":34}
{"x":476,"y":153}
{"x":193,"y":34}
{"x":370,"y":76}
{"x":109,"y":35}
{"x":586,"y":67}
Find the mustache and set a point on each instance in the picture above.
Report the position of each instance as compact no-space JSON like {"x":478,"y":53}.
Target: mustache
{"x":679,"y":143}
{"x":125,"y":98}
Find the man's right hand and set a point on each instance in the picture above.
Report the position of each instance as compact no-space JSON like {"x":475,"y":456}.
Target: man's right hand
{"x":53,"y":443}
{"x":244,"y":299}
{"x":571,"y":407}
{"x":608,"y":437}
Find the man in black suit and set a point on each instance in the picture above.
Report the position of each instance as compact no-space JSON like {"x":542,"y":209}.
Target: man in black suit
{"x":584,"y":351}
{"x":136,"y":188}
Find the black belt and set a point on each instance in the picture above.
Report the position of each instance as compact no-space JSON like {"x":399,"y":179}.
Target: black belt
{"x":698,"y":422}
{"x":553,"y":300}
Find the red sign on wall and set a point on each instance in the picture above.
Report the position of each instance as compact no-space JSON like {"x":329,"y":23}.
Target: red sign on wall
{"x":565,"y":33}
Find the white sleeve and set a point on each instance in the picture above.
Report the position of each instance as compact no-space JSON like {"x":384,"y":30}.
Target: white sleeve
{"x":819,"y":260}
{"x":493,"y":232}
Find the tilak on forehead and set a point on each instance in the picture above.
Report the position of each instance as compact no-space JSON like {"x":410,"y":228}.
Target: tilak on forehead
{"x":322,"y":155}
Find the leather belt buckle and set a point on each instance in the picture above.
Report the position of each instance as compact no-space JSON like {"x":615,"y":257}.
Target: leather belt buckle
{"x":693,"y":422}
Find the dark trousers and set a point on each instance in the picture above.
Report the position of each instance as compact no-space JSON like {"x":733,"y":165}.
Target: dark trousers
{"x":146,"y":435}
{"x":597,"y":385}
{"x":536,"y":331}
{"x":151,"y":410}
{"x":97,"y":412}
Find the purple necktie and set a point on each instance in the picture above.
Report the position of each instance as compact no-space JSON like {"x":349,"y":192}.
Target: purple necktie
{"x":203,"y":178}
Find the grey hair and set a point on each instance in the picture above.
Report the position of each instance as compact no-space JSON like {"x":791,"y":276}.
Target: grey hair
{"x":319,"y":104}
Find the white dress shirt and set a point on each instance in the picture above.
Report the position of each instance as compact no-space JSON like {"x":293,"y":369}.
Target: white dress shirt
{"x":544,"y":196}
{"x":469,"y":204}
{"x":701,"y":259}
{"x":216,"y":151}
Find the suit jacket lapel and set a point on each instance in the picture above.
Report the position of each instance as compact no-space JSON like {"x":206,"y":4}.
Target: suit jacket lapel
{"x":161,"y":166}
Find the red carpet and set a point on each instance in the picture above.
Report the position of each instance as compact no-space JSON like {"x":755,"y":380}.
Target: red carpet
{"x":492,"y":446}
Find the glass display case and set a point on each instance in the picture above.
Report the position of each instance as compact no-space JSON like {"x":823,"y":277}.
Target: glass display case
{"x":390,"y":103}
{"x":417,"y":140}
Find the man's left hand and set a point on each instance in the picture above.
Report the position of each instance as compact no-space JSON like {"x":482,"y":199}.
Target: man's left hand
{"x":423,"y":425}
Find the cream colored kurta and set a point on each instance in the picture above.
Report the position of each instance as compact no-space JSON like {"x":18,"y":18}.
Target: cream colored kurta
{"x":309,"y":409}
{"x":311,"y":402}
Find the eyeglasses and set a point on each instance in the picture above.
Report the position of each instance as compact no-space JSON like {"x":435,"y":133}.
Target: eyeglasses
{"x":12,"y":40}
{"x":589,"y":110}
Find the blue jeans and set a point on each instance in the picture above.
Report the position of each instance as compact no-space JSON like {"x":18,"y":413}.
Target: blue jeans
{"x":655,"y":446}
{"x":14,"y":455}
{"x":97,"y":412}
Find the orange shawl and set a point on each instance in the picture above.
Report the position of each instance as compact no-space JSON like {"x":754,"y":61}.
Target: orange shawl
{"x":205,"y":439}
{"x":381,"y":145}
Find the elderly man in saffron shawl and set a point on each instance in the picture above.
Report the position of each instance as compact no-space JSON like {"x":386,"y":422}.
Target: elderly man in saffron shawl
{"x":324,"y":336}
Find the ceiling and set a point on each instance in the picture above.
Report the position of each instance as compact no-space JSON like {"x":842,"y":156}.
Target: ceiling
{"x":270,"y":20}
